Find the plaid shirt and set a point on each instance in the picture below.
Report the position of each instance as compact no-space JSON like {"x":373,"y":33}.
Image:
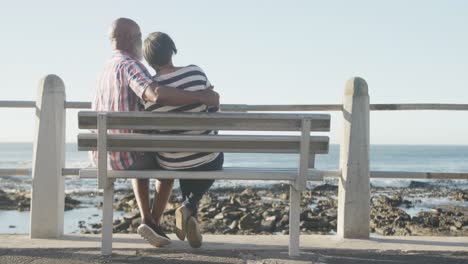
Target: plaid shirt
{"x":119,"y":88}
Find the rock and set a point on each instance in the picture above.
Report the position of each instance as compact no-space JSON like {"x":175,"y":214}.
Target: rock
{"x":96,"y":226}
{"x":6,"y":202}
{"x":432,"y":222}
{"x":387,"y":201}
{"x":24,"y":205}
{"x":401,"y":231}
{"x":235,"y":200}
{"x":228,"y":208}
{"x":81,"y":224}
{"x":331,"y":213}
{"x":229,"y":231}
{"x":71,"y":203}
{"x":248,"y":222}
{"x":219,"y":216}
{"x":419,"y":185}
{"x":284,"y":196}
{"x":131,"y":216}
{"x":385,"y":231}
{"x":315,"y":223}
{"x":120,"y":227}
{"x":268,"y":225}
{"x":234,"y":224}
{"x":284,"y":221}
{"x":326,"y":187}
{"x":460,"y":195}
{"x":305,"y":214}
{"x":211,"y":212}
{"x":247,"y":192}
{"x":234,"y":215}
{"x":127,"y":203}
{"x":136,"y":223}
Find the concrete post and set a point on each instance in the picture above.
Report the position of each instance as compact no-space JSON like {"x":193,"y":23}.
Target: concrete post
{"x":354,"y":184}
{"x":47,"y":197}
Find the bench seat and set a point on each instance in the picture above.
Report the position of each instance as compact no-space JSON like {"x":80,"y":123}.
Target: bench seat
{"x":249,"y":141}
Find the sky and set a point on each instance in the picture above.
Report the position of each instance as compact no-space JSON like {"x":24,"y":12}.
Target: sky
{"x":257,"y":52}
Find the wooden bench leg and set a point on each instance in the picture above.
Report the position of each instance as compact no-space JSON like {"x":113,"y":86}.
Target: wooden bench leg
{"x":107,"y":218}
{"x":294,"y":221}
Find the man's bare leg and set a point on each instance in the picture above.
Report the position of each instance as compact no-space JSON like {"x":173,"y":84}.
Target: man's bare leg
{"x":161,"y":197}
{"x":141,"y":190}
{"x":148,"y":229}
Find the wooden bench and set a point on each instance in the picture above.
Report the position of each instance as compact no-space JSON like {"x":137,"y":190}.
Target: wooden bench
{"x":248,"y":142}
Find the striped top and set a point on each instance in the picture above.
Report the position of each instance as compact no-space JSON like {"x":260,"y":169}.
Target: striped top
{"x":189,"y":78}
{"x":120,"y":87}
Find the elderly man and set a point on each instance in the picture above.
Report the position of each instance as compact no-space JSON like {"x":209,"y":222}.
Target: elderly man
{"x":120,"y":86}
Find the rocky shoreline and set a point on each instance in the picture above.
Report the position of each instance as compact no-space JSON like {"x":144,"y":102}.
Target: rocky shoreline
{"x":21,"y":201}
{"x":260,"y":210}
{"x":266,"y":211}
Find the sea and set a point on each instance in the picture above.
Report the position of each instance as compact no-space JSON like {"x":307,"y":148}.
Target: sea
{"x":426,"y":158}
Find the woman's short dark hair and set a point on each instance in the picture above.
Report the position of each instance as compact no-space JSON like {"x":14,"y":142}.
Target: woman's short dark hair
{"x":158,"y":49}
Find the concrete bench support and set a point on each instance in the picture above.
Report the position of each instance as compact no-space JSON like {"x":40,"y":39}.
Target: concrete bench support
{"x":354,"y":184}
{"x":47,"y":199}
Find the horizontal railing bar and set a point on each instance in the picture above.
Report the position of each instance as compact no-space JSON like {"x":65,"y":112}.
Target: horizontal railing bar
{"x":277,"y":108}
{"x":402,"y":107}
{"x":313,"y":174}
{"x":78,"y":105}
{"x":15,"y":172}
{"x":71,"y":171}
{"x":417,"y":175}
{"x":339,"y":107}
{"x":17,"y":104}
{"x":281,"y":108}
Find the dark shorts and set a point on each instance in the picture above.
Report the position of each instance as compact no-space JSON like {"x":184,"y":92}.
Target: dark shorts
{"x":147,"y":161}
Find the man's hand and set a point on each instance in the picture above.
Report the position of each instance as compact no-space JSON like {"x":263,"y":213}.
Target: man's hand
{"x":176,"y":97}
{"x":209,"y":97}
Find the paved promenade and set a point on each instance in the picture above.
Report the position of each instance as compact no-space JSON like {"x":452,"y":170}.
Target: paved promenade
{"x":236,"y":249}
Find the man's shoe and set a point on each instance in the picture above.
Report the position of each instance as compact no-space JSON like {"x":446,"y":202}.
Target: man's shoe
{"x":194,"y":236}
{"x":181,"y":214}
{"x":154,"y":235}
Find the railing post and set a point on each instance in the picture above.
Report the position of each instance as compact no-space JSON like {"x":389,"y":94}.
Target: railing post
{"x":354,"y":183}
{"x":47,"y":194}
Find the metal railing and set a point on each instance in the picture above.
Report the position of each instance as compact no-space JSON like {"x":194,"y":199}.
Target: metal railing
{"x":49,"y":151}
{"x":276,"y":107}
{"x":280,"y":108}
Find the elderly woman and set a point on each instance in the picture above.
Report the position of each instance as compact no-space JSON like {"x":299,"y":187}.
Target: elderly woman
{"x":158,"y":51}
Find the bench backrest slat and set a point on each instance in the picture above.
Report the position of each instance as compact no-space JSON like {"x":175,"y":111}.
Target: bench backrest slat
{"x":206,"y":121}
{"x":218,"y":143}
